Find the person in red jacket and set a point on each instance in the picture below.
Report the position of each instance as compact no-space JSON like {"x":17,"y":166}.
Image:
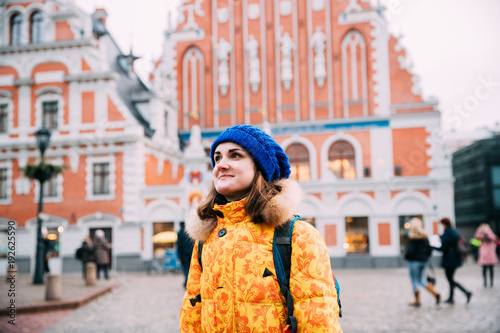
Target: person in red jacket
{"x":237,"y":290}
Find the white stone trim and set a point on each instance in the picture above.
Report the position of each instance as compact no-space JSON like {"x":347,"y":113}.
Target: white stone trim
{"x":8,"y":166}
{"x":358,"y":155}
{"x":421,"y":198}
{"x":310,"y":59}
{"x":352,"y":203}
{"x":380,"y":66}
{"x":133,"y":179}
{"x":311,"y":206}
{"x":89,"y":177}
{"x":7,"y":80}
{"x":49,"y":77}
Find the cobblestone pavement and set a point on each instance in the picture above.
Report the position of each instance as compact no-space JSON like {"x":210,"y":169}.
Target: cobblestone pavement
{"x":373,"y":301}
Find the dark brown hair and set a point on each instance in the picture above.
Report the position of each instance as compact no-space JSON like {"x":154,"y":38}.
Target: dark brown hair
{"x":446,"y":222}
{"x":259,"y":194}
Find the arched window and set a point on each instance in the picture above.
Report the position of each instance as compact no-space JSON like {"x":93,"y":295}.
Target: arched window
{"x":193,"y":88}
{"x":341,"y":160}
{"x":298,"y":156}
{"x":16,"y":22}
{"x":36,"y":22}
{"x":354,"y":75}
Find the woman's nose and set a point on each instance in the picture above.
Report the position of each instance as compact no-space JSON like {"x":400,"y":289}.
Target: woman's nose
{"x":222,"y":164}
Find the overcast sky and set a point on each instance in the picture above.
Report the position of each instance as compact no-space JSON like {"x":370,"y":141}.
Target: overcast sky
{"x":454,"y":46}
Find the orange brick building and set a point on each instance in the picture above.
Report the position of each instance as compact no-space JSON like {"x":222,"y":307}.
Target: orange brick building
{"x":335,"y":89}
{"x":59,"y":67}
{"x":325,"y":78}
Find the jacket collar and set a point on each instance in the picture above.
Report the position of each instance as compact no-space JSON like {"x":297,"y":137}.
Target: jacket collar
{"x":277,"y":212}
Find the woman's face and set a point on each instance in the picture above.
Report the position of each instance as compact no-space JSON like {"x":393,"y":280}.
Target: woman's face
{"x":234,"y":171}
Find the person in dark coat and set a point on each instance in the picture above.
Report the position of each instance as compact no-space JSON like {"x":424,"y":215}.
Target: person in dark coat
{"x":85,"y":254}
{"x":184,"y":250}
{"x":48,"y":248}
{"x":417,"y":254}
{"x":451,"y":258}
{"x":102,"y":256}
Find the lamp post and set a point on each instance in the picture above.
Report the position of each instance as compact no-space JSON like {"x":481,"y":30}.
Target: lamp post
{"x":42,"y":141}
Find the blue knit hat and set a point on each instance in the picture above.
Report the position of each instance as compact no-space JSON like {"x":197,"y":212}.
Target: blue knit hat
{"x":267,"y":154}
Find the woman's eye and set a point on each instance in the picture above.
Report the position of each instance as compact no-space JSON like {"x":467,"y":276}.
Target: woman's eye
{"x":217,"y":159}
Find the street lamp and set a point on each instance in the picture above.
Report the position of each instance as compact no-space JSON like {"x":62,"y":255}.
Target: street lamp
{"x":42,"y":141}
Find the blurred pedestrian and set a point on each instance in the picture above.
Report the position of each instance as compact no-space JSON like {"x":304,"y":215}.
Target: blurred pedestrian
{"x":85,"y":254}
{"x":48,"y":249}
{"x":487,"y":251}
{"x":102,"y":253}
{"x":184,"y":250}
{"x":451,"y":258}
{"x":418,"y":253}
{"x":250,"y":197}
{"x":475,"y":244}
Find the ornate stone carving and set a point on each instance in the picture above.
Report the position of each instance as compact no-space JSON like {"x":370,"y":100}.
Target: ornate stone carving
{"x":222,"y":15}
{"x":285,"y":8}
{"x":318,"y":5}
{"x":252,"y":47}
{"x":190,"y":9}
{"x":318,"y":42}
{"x":253,"y":11}
{"x":224,"y":49}
{"x":287,"y":48}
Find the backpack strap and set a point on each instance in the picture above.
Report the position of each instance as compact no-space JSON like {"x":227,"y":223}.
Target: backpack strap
{"x":282,"y":256}
{"x":337,"y":287}
{"x":200,"y":250}
{"x":197,"y":298}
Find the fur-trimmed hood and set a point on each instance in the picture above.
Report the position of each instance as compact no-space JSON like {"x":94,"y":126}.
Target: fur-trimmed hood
{"x":279,"y":210}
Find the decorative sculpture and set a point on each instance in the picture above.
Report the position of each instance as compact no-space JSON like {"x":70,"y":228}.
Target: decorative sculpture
{"x":287,"y":48}
{"x":318,"y":41}
{"x":252,"y":47}
{"x":224,"y":49}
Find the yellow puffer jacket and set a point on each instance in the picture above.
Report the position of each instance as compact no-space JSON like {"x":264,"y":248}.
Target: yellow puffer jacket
{"x":235,"y":294}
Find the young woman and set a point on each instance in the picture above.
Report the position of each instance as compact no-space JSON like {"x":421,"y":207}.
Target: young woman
{"x":451,"y":258}
{"x":418,"y":254}
{"x":487,"y":251}
{"x":238,"y":291}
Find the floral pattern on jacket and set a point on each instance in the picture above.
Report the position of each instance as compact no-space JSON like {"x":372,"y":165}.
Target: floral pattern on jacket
{"x":235,"y":294}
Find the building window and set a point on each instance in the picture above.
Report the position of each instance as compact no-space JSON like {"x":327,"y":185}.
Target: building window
{"x":50,"y":187}
{"x":49,"y":118}
{"x":16,"y":22}
{"x":404,"y":228}
{"x":101,"y":178}
{"x":164,"y":237}
{"x":4,"y":184}
{"x":341,"y":160}
{"x":36,"y":22}
{"x":4,"y":118}
{"x":298,"y":156}
{"x":356,"y":235}
{"x":495,"y":186}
